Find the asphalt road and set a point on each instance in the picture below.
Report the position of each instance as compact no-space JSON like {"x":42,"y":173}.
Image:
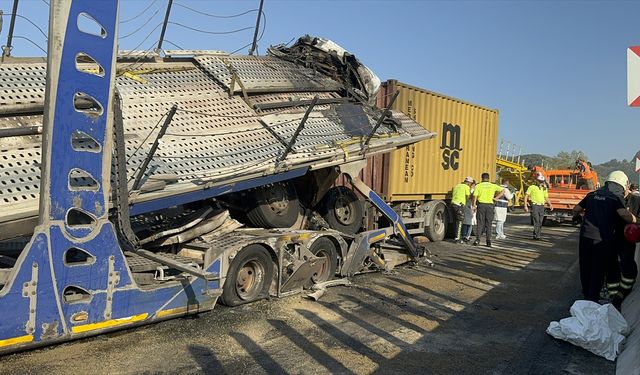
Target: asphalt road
{"x":478,"y":311}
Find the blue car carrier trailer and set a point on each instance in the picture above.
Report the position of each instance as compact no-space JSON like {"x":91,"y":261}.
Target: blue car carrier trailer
{"x":108,"y":221}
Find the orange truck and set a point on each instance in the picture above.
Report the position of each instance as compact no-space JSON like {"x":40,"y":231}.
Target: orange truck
{"x":566,"y":189}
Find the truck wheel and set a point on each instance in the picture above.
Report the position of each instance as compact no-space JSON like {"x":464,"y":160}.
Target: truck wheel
{"x":437,"y":222}
{"x":275,"y":206}
{"x":342,"y":210}
{"x":249,"y":277}
{"x":325,"y":248}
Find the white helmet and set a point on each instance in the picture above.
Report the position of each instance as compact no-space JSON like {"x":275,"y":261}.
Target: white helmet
{"x":468,"y":179}
{"x":619,"y":177}
{"x":540,"y":177}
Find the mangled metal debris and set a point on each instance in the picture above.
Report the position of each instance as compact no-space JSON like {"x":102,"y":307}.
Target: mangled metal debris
{"x":234,"y":119}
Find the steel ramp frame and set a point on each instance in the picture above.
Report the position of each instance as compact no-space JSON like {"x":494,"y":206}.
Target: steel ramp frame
{"x":32,"y":304}
{"x":36,"y":305}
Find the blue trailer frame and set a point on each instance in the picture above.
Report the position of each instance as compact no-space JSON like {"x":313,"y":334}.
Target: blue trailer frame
{"x":32,"y":305}
{"x":51,"y":294}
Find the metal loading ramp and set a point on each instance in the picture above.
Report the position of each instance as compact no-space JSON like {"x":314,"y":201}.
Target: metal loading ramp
{"x":229,"y":127}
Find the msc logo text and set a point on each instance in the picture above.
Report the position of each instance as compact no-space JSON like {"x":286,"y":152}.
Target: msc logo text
{"x":450,"y":146}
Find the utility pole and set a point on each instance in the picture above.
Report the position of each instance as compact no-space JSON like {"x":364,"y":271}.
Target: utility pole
{"x":164,"y":25}
{"x":6,"y":50}
{"x":255,"y":32}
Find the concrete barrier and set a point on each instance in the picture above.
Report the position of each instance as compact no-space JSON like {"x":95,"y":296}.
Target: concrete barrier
{"x":629,"y":360}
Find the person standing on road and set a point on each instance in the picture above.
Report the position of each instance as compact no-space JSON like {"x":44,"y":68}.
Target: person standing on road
{"x":501,"y":210}
{"x":539,"y":196}
{"x":469,"y":216}
{"x":460,"y":195}
{"x":602,"y":210}
{"x":483,"y":204}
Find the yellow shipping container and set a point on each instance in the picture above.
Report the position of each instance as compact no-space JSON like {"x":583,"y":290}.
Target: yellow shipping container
{"x":465,"y":145}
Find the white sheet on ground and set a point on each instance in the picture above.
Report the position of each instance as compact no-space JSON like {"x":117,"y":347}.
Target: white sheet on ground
{"x":598,"y":328}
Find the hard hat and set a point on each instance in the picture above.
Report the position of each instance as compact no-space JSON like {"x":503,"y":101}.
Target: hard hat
{"x":468,"y":179}
{"x":632,"y":233}
{"x":619,"y":177}
{"x":540,"y":177}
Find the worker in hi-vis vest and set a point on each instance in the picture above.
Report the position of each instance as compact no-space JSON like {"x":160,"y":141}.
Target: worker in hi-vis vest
{"x":483,"y":199}
{"x":459,"y":196}
{"x":538,"y":195}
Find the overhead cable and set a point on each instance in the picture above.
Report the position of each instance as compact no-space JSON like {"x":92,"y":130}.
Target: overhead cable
{"x":137,"y":64}
{"x":144,"y":40}
{"x":29,"y":40}
{"x":211,"y":32}
{"x":216,"y":15}
{"x":31,"y":22}
{"x":264,"y":26}
{"x":139,"y":14}
{"x":173,"y":44}
{"x":241,"y":48}
{"x":141,"y":27}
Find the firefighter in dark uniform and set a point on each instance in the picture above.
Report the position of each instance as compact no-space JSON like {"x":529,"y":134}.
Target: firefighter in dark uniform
{"x":603,"y":209}
{"x":626,"y":249}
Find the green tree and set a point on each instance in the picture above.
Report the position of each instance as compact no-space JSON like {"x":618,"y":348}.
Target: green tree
{"x":627,"y":166}
{"x":563,"y":160}
{"x":566,"y":160}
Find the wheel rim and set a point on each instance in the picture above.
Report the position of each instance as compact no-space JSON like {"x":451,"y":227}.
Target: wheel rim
{"x":250,"y":279}
{"x":344,"y":211}
{"x":323,"y":273}
{"x":277,"y":199}
{"x":439,"y":221}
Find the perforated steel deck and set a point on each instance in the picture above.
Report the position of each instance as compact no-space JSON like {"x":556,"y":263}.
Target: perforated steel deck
{"x":213,"y":136}
{"x":21,"y":85}
{"x":138,"y":263}
{"x":265,"y":74}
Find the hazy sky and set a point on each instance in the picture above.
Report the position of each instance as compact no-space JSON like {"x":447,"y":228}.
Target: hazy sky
{"x":556,"y":70}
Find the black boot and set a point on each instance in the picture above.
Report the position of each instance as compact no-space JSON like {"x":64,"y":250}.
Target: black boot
{"x":616,"y":301}
{"x":488,"y":243}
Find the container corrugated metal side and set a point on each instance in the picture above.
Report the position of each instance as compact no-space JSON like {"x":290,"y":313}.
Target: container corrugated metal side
{"x":465,"y":146}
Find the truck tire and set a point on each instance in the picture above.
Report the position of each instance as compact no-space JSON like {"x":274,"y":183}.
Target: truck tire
{"x":249,"y":277}
{"x":342,"y":210}
{"x":325,"y":248}
{"x":274,"y":206}
{"x":437,"y":228}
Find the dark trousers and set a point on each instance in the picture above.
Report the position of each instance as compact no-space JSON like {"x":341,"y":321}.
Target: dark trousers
{"x":537,"y":216}
{"x":597,"y":259}
{"x":628,"y":266}
{"x":484,"y":218}
{"x":459,"y":216}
